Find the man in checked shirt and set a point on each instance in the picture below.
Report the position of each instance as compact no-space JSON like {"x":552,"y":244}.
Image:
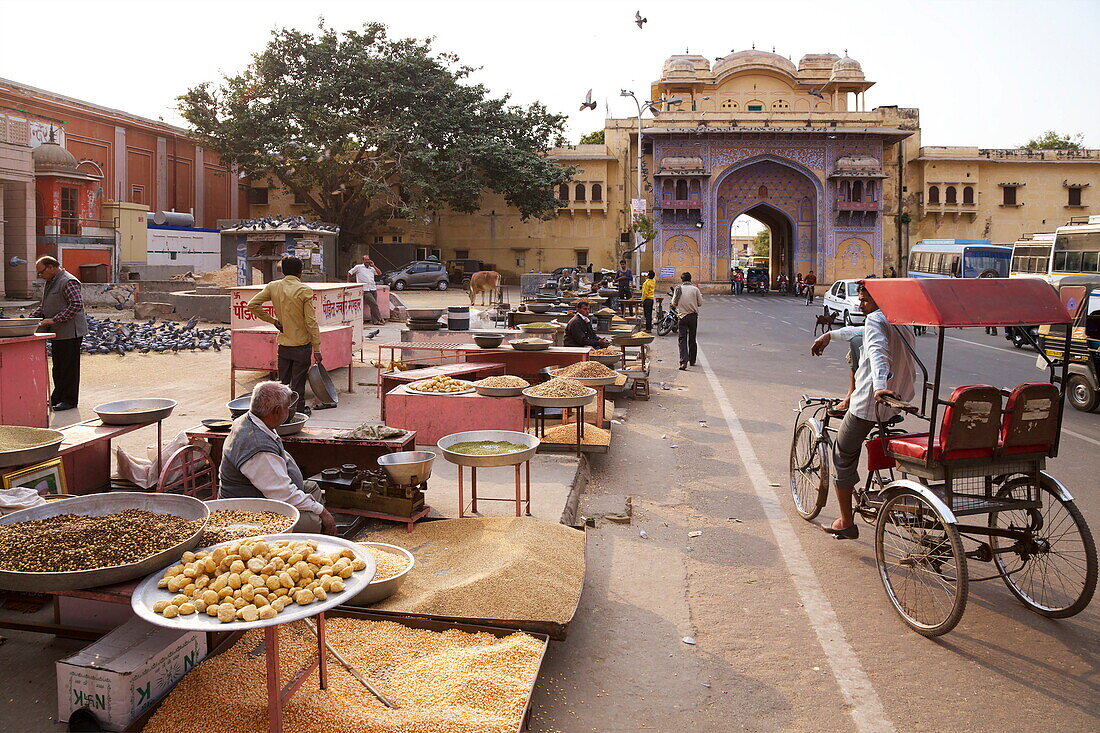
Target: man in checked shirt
{"x":62,"y":313}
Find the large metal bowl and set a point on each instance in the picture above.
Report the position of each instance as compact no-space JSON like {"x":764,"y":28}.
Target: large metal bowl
{"x":506,"y":459}
{"x":13,"y":327}
{"x":537,"y":307}
{"x":587,"y":382}
{"x":257,"y":505}
{"x":239,"y":406}
{"x":407,"y":466}
{"x":321,"y":384}
{"x":609,"y":360}
{"x":530,"y":347}
{"x":147,"y":593}
{"x":134,"y":412}
{"x":99,"y":505}
{"x":52,"y":440}
{"x":499,"y":391}
{"x":380,"y":590}
{"x":294,"y":425}
{"x":559,"y":401}
{"x":488,"y":341}
{"x":424,"y":314}
{"x":528,"y":328}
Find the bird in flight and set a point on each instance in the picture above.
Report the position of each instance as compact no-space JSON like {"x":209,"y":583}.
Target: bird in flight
{"x":639,"y":19}
{"x":816,"y":93}
{"x":588,"y":103}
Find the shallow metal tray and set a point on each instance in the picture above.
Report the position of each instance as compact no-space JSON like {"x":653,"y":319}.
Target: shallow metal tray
{"x":321,"y":384}
{"x":134,"y":412}
{"x":530,"y":347}
{"x":380,"y":590}
{"x":559,"y":401}
{"x":468,"y":390}
{"x":499,"y":391}
{"x":587,"y":381}
{"x":98,"y":505}
{"x":147,"y":593}
{"x":257,"y":505}
{"x":506,"y":459}
{"x":34,"y":454}
{"x":15,"y":327}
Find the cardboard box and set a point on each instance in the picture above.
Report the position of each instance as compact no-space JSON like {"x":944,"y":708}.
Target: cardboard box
{"x":126,"y":671}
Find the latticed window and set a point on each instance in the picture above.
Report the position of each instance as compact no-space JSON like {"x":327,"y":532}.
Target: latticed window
{"x":580,"y":193}
{"x":933,"y":194}
{"x":950,"y":196}
{"x":597,"y":192}
{"x":968,"y":194}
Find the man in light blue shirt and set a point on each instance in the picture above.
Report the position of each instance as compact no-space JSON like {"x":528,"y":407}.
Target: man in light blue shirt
{"x":886,"y":369}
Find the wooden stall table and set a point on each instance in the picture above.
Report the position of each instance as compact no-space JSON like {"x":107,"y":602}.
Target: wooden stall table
{"x":434,"y":416}
{"x":315,"y":448}
{"x":255,"y":349}
{"x":86,"y":453}
{"x":24,"y":381}
{"x":472,"y":372}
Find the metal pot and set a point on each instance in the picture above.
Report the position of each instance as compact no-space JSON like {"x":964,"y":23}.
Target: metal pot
{"x":407,"y":466}
{"x":321,"y":384}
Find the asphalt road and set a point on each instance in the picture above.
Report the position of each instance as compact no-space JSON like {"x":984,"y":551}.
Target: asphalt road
{"x":792,"y":629}
{"x":1003,"y":666}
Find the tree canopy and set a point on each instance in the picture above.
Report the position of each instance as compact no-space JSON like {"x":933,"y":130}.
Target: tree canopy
{"x":1051,"y":140}
{"x":592,"y":138}
{"x":363,"y":127}
{"x":762,"y":243}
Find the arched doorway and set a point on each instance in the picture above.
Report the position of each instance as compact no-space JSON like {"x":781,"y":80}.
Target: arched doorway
{"x":784,"y":197}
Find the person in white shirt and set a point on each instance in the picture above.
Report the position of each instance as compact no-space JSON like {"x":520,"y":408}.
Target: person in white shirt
{"x":886,"y":369}
{"x":364,"y":274}
{"x":687,"y":300}
{"x":255,"y":465}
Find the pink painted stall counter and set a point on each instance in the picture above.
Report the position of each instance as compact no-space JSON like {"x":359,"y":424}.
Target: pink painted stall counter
{"x":334,"y":304}
{"x":435,"y":416}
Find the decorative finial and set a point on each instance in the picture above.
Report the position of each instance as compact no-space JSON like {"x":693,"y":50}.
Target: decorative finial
{"x":773,"y":49}
{"x":754,"y":45}
{"x":53,"y":136}
{"x":845,"y":52}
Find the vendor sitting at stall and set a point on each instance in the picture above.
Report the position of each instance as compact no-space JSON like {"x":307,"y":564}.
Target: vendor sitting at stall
{"x":580,"y":331}
{"x":255,"y":465}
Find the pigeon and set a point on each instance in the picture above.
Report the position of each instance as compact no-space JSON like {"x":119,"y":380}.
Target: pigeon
{"x":372,"y":334}
{"x":588,"y":103}
{"x":816,"y":93}
{"x":639,"y":20}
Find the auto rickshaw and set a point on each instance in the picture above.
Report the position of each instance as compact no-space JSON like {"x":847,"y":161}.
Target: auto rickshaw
{"x":973,"y":487}
{"x":1081,"y":296}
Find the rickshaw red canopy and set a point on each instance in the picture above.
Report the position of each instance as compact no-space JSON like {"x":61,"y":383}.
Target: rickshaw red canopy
{"x":957,"y":302}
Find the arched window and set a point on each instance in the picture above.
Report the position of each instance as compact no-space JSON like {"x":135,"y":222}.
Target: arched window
{"x":597,"y":192}
{"x":681,"y":190}
{"x":845,"y":190}
{"x":694,"y":189}
{"x":762,"y":192}
{"x":871,"y":191}
{"x":563,"y":192}
{"x":933,"y":194}
{"x":579,"y":191}
{"x":950,"y":196}
{"x":968,"y":194}
{"x":857,"y":190}
{"x":667,"y":190}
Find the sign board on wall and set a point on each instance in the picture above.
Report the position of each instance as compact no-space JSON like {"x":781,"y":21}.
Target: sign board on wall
{"x":668,"y":273}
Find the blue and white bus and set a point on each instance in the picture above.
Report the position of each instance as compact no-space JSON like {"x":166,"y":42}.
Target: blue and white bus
{"x":959,"y":258}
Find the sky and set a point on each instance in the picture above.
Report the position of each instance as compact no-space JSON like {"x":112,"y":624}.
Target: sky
{"x":986,"y":73}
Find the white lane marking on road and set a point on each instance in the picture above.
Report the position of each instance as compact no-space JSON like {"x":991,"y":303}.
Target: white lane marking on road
{"x":1085,"y":438}
{"x":867,"y":711}
{"x":987,"y":346}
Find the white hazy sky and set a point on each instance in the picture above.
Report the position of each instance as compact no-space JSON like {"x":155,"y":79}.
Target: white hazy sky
{"x":990,"y":73}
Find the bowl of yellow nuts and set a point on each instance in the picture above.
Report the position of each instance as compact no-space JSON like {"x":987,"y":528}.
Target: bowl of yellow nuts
{"x":441,"y":384}
{"x":259,"y":581}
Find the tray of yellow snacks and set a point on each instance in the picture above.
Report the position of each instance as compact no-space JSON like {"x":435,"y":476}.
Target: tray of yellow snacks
{"x":260,"y":581}
{"x":441,"y":384}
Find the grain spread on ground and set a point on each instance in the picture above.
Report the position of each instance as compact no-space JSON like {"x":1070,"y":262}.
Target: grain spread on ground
{"x":503,"y":382}
{"x":71,"y":542}
{"x":450,"y":681}
{"x":254,"y":580}
{"x":225,"y":525}
{"x":440,"y":384}
{"x":516,"y":568}
{"x":386,"y":564}
{"x":606,"y":351}
{"x":16,"y":437}
{"x":585,"y":370}
{"x":486,"y":448}
{"x":592,"y":435}
{"x":559,"y":387}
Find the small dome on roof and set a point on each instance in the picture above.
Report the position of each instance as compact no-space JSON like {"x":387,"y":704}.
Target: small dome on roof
{"x":686,"y":64}
{"x":755,"y":57}
{"x":51,"y":157}
{"x":857,"y":166}
{"x":847,"y":68}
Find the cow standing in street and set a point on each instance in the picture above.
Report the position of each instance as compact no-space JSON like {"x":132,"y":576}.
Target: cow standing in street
{"x":485,"y":281}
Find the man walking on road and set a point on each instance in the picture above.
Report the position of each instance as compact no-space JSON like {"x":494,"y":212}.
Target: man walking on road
{"x":299,"y":337}
{"x":62,"y":313}
{"x":687,"y":300}
{"x":364,"y":275}
{"x":885,"y":370}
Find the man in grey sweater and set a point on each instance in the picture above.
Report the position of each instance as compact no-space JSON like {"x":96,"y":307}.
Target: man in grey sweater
{"x":62,"y":313}
{"x":687,"y":300}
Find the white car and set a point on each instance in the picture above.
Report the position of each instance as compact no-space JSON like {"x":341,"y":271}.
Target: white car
{"x":843,"y":300}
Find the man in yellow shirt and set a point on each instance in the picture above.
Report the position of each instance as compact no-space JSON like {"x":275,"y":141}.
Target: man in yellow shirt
{"x":649,"y":286}
{"x":299,"y":337}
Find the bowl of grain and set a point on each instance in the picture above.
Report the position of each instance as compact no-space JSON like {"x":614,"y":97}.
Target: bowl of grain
{"x":134,"y":412}
{"x":609,"y":356}
{"x":589,"y":373}
{"x":530,"y":344}
{"x":392,"y":564}
{"x":486,"y":448}
{"x":503,"y":385}
{"x":559,"y":392}
{"x":488,"y":340}
{"x":20,"y":445}
{"x":235,"y":519}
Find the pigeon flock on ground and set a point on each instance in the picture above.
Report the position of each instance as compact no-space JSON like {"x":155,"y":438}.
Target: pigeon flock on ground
{"x":109,"y":336}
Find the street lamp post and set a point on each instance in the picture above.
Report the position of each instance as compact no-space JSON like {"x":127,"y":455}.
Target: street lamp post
{"x":651,"y":105}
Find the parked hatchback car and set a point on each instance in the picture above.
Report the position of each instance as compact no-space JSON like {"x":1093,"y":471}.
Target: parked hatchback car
{"x":419,"y":274}
{"x":843,"y":300}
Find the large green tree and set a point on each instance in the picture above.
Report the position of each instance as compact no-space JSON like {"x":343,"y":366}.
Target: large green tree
{"x":762,"y":243}
{"x":1051,"y":140}
{"x":363,"y":127}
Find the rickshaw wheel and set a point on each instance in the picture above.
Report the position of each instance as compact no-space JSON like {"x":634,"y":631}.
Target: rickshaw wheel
{"x":921,"y":564}
{"x":809,"y":470}
{"x":1055,"y":574}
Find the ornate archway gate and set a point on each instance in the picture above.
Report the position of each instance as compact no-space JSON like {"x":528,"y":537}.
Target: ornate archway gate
{"x":794,"y":179}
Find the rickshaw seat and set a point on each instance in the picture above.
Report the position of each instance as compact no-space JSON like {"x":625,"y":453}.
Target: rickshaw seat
{"x":970,"y":428}
{"x":1030,"y":422}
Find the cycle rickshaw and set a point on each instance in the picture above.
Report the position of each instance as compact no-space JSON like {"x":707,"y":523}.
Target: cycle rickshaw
{"x":974,"y":486}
